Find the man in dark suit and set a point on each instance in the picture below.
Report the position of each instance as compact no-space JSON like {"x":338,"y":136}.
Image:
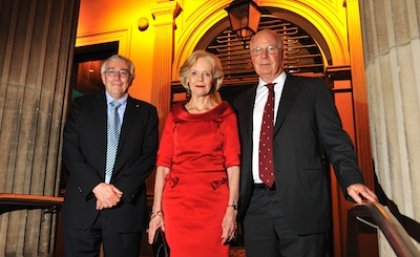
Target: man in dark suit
{"x":285,"y":211}
{"x":110,"y":144}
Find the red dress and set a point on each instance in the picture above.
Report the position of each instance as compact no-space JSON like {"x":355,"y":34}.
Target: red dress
{"x":197,"y":148}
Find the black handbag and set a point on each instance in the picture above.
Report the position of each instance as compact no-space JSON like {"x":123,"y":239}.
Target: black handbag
{"x":160,"y":247}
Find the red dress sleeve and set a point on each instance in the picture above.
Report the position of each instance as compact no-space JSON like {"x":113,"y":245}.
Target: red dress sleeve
{"x":166,"y":146}
{"x":232,"y":146}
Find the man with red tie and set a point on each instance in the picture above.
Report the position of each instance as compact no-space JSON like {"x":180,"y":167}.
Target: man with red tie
{"x":284,"y":121}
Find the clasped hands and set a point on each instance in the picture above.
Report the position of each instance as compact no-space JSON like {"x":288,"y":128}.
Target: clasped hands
{"x":107,"y":196}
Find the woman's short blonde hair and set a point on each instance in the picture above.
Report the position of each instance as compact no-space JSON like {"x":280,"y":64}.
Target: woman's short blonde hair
{"x":217,"y":70}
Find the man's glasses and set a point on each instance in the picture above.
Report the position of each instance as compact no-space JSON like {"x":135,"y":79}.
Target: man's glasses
{"x":121,"y":73}
{"x":258,"y":50}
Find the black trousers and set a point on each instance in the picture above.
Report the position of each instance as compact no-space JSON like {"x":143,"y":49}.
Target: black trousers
{"x":86,"y":243}
{"x":266,"y":233}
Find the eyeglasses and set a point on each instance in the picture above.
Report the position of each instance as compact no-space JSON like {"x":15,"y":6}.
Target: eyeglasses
{"x":258,"y":50}
{"x":121,"y":73}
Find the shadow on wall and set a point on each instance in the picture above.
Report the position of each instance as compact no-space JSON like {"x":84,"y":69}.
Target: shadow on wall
{"x":412,"y":227}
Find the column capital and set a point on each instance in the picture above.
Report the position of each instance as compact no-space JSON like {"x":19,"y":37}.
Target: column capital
{"x":165,"y":12}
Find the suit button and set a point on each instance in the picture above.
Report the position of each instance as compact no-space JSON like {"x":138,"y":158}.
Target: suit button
{"x":80,"y":189}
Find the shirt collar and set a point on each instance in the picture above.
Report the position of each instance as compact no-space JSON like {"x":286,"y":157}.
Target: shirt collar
{"x":278,"y":81}
{"x":122,"y":100}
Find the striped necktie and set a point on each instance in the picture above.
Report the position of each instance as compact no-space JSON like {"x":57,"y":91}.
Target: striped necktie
{"x":113,"y":136}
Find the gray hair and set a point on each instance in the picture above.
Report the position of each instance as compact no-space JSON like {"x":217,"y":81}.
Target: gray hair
{"x":117,"y":57}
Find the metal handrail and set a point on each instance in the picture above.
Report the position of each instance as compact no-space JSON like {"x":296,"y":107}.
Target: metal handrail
{"x":395,"y":234}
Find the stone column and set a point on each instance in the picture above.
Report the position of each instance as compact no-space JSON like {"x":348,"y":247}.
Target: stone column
{"x":164,"y":13}
{"x":392,"y":60}
{"x":36,"y":48}
{"x":359,"y":92}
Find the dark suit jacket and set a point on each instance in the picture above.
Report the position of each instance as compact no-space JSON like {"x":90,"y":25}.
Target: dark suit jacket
{"x":84,"y":154}
{"x":307,"y":121}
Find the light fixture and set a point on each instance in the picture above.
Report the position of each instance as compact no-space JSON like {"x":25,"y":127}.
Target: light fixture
{"x":244,"y":16}
{"x":142,"y":24}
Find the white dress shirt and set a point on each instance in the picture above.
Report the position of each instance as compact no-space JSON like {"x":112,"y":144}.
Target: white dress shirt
{"x":259,"y":104}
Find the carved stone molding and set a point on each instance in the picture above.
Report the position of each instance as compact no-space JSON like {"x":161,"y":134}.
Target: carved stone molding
{"x":164,"y":14}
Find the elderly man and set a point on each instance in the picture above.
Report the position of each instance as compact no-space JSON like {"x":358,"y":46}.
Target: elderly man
{"x":284,"y":121}
{"x":110,"y":144}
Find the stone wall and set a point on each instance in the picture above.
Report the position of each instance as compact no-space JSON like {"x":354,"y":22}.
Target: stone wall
{"x":392,"y":62}
{"x":36,"y":49}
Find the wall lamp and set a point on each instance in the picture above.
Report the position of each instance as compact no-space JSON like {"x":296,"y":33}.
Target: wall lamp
{"x":244,"y":16}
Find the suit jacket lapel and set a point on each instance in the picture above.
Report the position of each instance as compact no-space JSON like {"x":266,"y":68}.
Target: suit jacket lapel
{"x":129,"y":118}
{"x":247,"y":103}
{"x":288,"y":97}
{"x":100,"y":119}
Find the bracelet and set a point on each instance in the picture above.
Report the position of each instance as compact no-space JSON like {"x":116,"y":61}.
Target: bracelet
{"x":234,"y":206}
{"x":154,"y":214}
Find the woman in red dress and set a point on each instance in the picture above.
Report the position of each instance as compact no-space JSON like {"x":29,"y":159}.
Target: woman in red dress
{"x":197,"y":176}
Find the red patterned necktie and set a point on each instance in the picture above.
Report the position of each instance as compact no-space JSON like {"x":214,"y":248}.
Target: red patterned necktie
{"x":266,"y":165}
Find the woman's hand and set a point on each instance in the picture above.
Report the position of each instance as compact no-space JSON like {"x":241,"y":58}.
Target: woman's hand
{"x":156,"y":221}
{"x":229,"y":225}
{"x":156,"y":218}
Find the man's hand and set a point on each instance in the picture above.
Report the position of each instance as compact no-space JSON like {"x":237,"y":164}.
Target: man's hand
{"x":107,"y":196}
{"x":359,"y":192}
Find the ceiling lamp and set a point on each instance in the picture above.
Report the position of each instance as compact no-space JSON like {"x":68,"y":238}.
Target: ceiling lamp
{"x":244,"y":16}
